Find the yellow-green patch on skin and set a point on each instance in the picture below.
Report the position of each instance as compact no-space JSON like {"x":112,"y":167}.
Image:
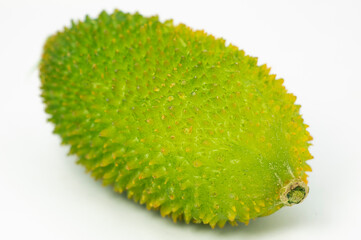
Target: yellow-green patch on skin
{"x":176,"y":118}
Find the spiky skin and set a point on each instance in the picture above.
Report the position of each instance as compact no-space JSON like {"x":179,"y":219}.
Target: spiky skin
{"x":174,"y":117}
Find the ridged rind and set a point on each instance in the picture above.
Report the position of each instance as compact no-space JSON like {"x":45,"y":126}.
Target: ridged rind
{"x":176,"y":118}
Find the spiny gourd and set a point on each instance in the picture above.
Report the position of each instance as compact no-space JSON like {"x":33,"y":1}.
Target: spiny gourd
{"x":178,"y":119}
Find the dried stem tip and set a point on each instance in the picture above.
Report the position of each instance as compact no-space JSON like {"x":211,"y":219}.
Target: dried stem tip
{"x":294,"y":192}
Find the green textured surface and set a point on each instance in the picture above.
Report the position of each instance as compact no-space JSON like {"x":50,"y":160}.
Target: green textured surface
{"x":174,"y":117}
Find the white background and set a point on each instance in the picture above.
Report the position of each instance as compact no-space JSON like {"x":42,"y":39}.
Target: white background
{"x":314,"y":45}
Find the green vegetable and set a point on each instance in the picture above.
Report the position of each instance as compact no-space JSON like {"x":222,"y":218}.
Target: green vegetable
{"x":176,"y":118}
